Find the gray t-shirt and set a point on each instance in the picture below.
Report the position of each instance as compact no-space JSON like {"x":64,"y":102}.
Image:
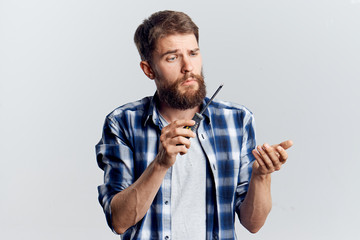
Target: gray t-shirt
{"x":188,"y":193}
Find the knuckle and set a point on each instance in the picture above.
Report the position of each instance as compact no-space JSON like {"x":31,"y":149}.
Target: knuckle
{"x":177,"y":131}
{"x":179,"y":139}
{"x":164,"y":129}
{"x":267,"y":147}
{"x":162,"y":137}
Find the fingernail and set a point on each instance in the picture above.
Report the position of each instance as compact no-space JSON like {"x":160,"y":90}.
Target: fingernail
{"x":266,"y":145}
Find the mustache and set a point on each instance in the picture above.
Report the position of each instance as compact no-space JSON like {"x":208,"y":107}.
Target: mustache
{"x":198,"y":78}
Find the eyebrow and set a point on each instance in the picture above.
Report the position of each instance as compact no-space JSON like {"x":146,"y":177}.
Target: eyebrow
{"x":169,"y":52}
{"x":195,"y":50}
{"x":176,"y":50}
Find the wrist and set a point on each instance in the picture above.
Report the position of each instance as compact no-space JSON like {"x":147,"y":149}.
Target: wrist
{"x":160,"y":165}
{"x":261,"y":177}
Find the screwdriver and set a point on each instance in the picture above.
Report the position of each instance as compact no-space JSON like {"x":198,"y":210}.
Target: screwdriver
{"x":198,"y":116}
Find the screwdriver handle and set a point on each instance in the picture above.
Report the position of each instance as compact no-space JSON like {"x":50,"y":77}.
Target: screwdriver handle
{"x":197,"y":118}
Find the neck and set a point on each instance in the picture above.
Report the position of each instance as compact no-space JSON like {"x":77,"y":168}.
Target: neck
{"x":171,"y":114}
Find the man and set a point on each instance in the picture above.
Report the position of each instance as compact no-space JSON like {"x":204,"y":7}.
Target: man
{"x":163,"y":181}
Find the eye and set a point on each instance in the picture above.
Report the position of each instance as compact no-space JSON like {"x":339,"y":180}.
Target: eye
{"x":194,"y":53}
{"x":171,"y":58}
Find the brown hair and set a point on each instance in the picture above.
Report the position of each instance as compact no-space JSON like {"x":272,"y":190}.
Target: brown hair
{"x":162,"y":24}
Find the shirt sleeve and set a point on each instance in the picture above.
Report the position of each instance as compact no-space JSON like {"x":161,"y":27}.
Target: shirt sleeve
{"x":115,"y":157}
{"x":247,"y":160}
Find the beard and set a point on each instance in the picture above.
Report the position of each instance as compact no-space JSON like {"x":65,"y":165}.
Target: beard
{"x":190,"y":98}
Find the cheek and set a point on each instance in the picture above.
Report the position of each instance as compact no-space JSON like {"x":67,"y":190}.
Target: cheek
{"x":198,"y":64}
{"x":171,"y":73}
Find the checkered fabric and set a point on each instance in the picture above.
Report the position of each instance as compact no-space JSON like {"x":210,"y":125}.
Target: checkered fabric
{"x":130,"y":142}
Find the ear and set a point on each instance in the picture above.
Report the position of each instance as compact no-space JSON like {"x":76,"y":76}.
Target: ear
{"x":145,"y":66}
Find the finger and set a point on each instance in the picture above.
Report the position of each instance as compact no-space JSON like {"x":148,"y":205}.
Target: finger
{"x":184,"y":132}
{"x":176,"y":124}
{"x":182,"y":149}
{"x":286,"y":144}
{"x":182,"y":123}
{"x":283,"y":154}
{"x":177,"y":141}
{"x":176,"y":145}
{"x":265,"y":158}
{"x":258,"y":159}
{"x":171,"y":132}
{"x":175,"y":150}
{"x":273,"y":155}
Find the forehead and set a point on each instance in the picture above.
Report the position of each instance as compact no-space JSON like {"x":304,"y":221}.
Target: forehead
{"x":176,"y":42}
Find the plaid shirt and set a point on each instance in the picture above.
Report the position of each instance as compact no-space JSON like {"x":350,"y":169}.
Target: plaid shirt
{"x":130,"y":143}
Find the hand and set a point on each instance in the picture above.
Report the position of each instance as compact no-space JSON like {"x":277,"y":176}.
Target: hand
{"x":270,"y":158}
{"x":174,"y":140}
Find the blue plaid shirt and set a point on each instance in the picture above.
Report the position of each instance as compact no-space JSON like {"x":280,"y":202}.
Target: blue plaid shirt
{"x":130,"y":143}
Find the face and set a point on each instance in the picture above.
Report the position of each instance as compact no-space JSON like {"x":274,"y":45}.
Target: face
{"x":177,"y":66}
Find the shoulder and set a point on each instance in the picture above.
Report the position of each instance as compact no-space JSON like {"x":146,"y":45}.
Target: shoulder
{"x":130,"y":115}
{"x":232,"y":117}
{"x":225,"y":107}
{"x":132,"y":108}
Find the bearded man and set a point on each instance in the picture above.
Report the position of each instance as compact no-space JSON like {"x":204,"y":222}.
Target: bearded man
{"x":163,"y":181}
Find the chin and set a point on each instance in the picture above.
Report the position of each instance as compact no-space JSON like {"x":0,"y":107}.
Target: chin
{"x":192,"y":87}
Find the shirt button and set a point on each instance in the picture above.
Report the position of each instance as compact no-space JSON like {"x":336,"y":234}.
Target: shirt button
{"x":166,"y":202}
{"x":214,"y":167}
{"x":167,"y":238}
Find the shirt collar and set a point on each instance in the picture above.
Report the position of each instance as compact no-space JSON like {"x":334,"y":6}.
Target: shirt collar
{"x":207,"y":111}
{"x":152,"y":113}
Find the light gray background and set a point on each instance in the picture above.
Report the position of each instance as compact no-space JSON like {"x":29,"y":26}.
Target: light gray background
{"x":65,"y":64}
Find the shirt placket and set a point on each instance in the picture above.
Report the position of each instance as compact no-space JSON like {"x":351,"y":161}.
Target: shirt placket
{"x":166,"y":206}
{"x":205,"y":137}
{"x":208,"y":150}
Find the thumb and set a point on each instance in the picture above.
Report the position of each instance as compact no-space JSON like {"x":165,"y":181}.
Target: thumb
{"x":285,"y":145}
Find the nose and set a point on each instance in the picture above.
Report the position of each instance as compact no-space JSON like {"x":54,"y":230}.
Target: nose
{"x":187,"y":65}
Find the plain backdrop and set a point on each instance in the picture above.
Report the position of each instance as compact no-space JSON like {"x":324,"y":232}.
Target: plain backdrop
{"x":64,"y":65}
